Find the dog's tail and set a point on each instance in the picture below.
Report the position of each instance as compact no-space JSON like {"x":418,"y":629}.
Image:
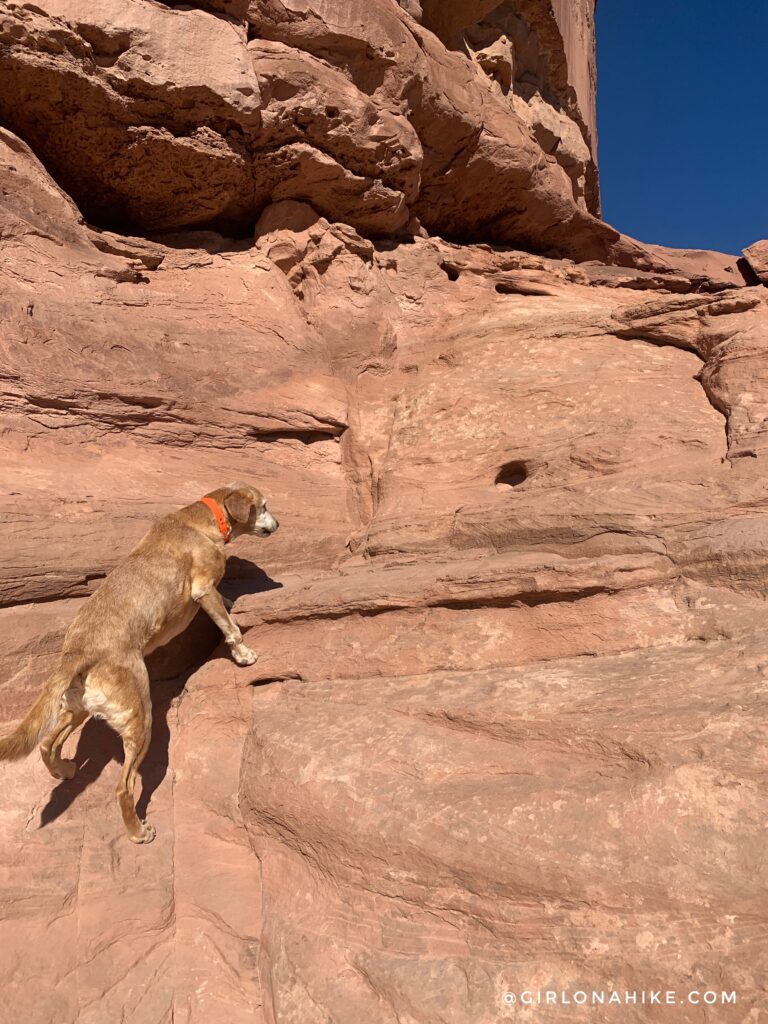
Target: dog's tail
{"x":42,"y":715}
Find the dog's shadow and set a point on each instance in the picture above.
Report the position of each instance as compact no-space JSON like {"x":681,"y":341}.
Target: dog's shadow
{"x":170,"y":667}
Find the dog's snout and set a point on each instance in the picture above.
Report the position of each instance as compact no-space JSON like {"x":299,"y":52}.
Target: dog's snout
{"x":266,"y":524}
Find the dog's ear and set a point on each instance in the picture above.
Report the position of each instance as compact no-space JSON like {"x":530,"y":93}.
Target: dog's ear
{"x":239,"y":504}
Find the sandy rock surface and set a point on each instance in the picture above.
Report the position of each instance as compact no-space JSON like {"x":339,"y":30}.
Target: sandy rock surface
{"x":507,"y":726}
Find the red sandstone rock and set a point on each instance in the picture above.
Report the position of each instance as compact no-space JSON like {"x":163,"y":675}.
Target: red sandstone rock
{"x":141,"y":132}
{"x":507,"y":725}
{"x":757,"y":258}
{"x":176,"y":378}
{"x":550,"y":44}
{"x":353,"y":159}
{"x":479,"y":156}
{"x":162,"y":124}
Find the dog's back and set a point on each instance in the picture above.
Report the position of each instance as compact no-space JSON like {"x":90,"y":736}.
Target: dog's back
{"x":145,"y":600}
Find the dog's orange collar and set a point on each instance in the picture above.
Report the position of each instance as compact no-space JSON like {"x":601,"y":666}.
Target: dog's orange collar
{"x":218,"y":515}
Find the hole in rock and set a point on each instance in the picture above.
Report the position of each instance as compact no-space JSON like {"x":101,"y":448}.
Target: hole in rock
{"x":512,"y":474}
{"x":450,"y":272}
{"x":331,"y":112}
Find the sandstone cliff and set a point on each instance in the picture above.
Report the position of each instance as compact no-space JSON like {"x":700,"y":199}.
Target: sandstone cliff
{"x":507,"y":726}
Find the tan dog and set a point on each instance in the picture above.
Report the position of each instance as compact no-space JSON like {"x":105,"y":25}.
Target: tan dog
{"x":148,"y":599}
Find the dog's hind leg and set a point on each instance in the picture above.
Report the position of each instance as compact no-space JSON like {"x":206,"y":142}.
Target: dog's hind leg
{"x":120,"y":694}
{"x":135,"y":736}
{"x":50,"y":748}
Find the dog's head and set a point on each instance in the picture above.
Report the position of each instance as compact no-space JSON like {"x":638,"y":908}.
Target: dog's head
{"x":247,"y":508}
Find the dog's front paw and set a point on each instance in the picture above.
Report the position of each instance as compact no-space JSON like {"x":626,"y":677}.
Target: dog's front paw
{"x":146,"y":835}
{"x":244,"y":655}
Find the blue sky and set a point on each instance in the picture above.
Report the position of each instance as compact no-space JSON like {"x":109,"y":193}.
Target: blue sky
{"x":682,"y":121}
